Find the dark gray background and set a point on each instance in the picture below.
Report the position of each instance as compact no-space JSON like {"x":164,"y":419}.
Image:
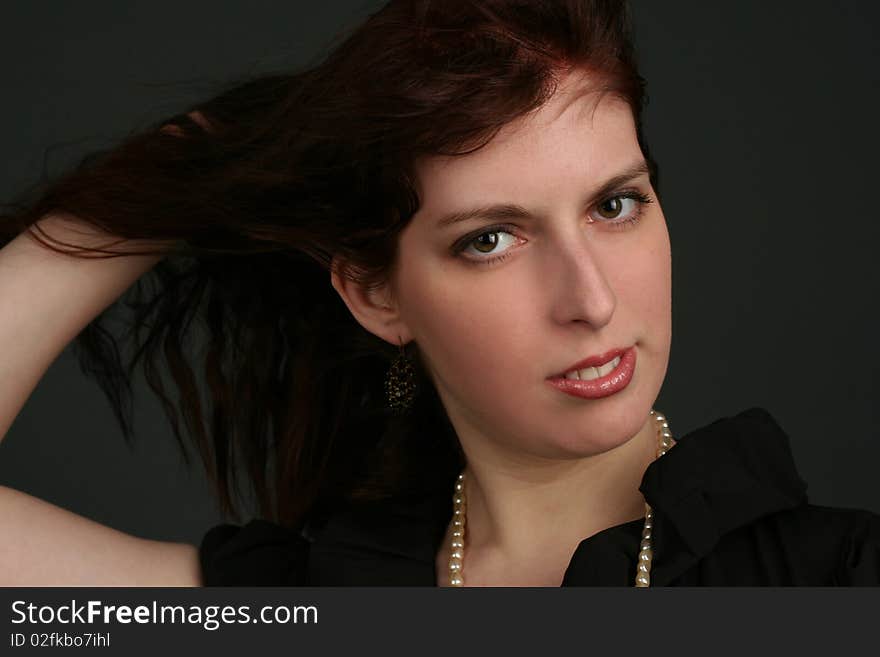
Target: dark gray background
{"x":762,"y":116}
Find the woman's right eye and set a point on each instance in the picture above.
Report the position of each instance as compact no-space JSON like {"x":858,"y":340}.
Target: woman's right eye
{"x":486,"y":243}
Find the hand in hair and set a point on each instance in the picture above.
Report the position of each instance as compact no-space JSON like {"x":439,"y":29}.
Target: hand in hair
{"x":197,"y":117}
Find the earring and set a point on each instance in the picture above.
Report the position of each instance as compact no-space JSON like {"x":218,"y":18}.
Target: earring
{"x":400,"y":383}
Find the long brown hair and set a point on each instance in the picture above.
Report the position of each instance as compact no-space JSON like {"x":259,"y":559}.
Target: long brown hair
{"x":259,"y":188}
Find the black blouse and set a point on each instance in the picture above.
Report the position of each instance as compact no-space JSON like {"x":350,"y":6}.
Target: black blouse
{"x":730,"y":510}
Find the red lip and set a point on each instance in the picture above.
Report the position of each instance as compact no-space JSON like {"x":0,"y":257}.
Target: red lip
{"x":592,"y":361}
{"x":604,"y":386}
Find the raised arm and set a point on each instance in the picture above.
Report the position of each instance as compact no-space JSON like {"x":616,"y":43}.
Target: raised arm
{"x":47,"y":298}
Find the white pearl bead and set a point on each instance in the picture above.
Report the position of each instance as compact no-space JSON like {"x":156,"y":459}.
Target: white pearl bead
{"x":456,"y":581}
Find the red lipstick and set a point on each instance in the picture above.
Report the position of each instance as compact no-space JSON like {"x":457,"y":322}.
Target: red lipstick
{"x":615,"y":381}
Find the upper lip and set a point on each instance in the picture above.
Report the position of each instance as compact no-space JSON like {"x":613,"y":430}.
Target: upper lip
{"x":592,"y":361}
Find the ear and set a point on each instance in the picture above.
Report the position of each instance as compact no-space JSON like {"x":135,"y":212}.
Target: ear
{"x":375,"y":310}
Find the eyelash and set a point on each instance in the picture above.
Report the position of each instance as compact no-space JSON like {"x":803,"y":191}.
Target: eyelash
{"x":619,"y":224}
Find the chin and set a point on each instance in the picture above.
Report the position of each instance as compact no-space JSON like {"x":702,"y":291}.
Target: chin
{"x":614,"y":424}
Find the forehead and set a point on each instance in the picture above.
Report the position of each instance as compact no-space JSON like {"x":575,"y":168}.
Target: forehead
{"x":580,"y":134}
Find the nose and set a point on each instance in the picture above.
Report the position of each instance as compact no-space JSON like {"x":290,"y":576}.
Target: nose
{"x":580,"y":289}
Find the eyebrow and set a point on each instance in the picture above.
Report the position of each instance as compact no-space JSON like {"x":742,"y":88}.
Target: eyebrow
{"x":507,"y":211}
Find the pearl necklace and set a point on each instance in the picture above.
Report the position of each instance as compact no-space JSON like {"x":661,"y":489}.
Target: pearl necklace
{"x":665,"y":442}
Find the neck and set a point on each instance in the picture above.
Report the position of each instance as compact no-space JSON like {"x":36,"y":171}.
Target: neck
{"x":520,"y":517}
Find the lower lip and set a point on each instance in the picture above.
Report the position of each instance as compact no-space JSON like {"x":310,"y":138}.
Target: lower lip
{"x":615,"y":381}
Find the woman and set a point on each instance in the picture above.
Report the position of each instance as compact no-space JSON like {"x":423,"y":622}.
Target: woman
{"x":471,"y":180}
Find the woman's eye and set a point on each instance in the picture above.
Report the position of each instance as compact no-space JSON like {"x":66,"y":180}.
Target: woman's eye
{"x":491,"y":242}
{"x":486,"y":242}
{"x":617,"y":206}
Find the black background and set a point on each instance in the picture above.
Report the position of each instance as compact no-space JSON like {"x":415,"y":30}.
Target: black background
{"x":762,"y":116}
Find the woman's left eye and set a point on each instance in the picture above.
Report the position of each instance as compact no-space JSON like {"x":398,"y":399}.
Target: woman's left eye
{"x":623,"y":208}
{"x":613,"y":207}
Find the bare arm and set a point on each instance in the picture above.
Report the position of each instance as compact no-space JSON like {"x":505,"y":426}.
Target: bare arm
{"x":45,"y":545}
{"x":47,"y":298}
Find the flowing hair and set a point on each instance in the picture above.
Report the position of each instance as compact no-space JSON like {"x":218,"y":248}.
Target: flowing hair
{"x":258,"y":189}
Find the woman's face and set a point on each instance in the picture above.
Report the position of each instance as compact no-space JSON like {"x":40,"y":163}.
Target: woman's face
{"x":588,"y":270}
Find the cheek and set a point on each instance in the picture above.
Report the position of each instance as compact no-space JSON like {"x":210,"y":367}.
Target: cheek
{"x":648,"y":286}
{"x":466,"y":335}
{"x":649,"y":283}
{"x":648,"y":260}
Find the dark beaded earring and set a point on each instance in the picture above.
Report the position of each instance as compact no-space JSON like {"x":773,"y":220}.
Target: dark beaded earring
{"x":400,"y":383}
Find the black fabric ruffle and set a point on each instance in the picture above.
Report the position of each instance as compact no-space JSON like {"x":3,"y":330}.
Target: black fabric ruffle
{"x":260,"y":553}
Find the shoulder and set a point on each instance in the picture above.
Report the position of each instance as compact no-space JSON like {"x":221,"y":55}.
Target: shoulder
{"x":260,"y":553}
{"x":808,"y":545}
{"x":844,"y":528}
{"x":858,"y":540}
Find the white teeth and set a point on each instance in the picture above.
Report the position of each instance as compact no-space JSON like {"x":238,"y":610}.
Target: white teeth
{"x":608,"y":367}
{"x":589,"y":373}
